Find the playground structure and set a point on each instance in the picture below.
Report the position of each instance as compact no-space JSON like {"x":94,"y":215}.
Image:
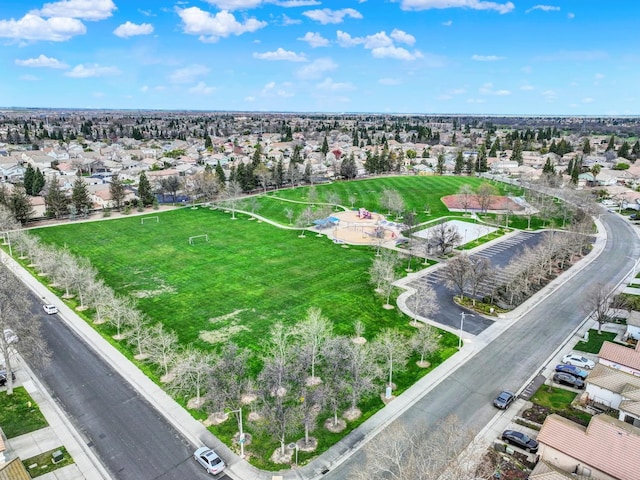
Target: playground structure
{"x":361,"y":227}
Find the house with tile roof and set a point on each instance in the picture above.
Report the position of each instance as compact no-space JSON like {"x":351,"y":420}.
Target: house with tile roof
{"x":606,"y":449}
{"x":619,"y":356}
{"x":616,"y":389}
{"x":546,"y":471}
{"x":633,"y":330}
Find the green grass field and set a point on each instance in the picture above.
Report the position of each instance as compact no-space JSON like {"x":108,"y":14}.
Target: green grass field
{"x":19,"y":414}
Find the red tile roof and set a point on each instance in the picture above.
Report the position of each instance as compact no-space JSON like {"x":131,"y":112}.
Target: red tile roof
{"x":629,"y":357}
{"x":607,"y":444}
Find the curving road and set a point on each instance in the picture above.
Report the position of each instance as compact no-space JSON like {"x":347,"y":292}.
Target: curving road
{"x":520,"y":351}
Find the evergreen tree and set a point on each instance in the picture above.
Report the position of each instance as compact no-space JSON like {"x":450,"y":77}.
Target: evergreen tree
{"x":481,"y":161}
{"x":624,"y":150}
{"x":348,"y":169}
{"x":56,"y":201}
{"x":425,"y":152}
{"x":296,"y":157}
{"x":516,"y":153}
{"x":494,"y":148}
{"x":208,"y":144}
{"x":470,"y":165}
{"x":38,"y":182}
{"x":440,"y":167}
{"x":635,"y":151}
{"x":257,"y":155}
{"x":29,"y":175}
{"x":145,"y":194}
{"x":278,"y":174}
{"x":19,"y":204}
{"x":222,"y":179}
{"x":549,"y":168}
{"x":575,"y":171}
{"x":459,"y":165}
{"x":116,"y":189}
{"x":80,"y":198}
{"x":306,"y":175}
{"x":325,"y":147}
{"x":612,"y":143}
{"x":586,"y":147}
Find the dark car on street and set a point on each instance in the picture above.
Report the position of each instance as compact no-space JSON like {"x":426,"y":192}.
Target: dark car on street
{"x":519,"y":439}
{"x":572,"y":370}
{"x":503,"y":400}
{"x":568,"y":379}
{"x":3,"y":377}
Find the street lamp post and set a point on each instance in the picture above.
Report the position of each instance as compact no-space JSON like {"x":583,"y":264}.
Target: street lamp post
{"x":241,"y":438}
{"x":462,"y":315}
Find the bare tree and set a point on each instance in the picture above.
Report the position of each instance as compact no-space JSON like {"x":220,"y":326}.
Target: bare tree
{"x":100,"y":296}
{"x":312,"y":333}
{"x":484,"y":195}
{"x":361,"y":371}
{"x":137,"y":333}
{"x":203,"y":186}
{"x":423,"y":302}
{"x":444,"y":452}
{"x":288,"y":212}
{"x":598,"y":303}
{"x":457,"y":273}
{"x":445,"y":237}
{"x":19,"y":331}
{"x":334,"y":199}
{"x":424,"y":342}
{"x":229,"y":379}
{"x":304,"y":219}
{"x":190,"y":370}
{"x":312,"y":398}
{"x":335,"y":352}
{"x":231,"y":195}
{"x":481,"y":271}
{"x":465,"y":194}
{"x":383,"y":270}
{"x":119,"y":313}
{"x":391,"y":346}
{"x":161,"y":347}
{"x":263,"y":174}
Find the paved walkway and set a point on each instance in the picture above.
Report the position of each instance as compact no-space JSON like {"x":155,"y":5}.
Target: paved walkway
{"x":88,"y":467}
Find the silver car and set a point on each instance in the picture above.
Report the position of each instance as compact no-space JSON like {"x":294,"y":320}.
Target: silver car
{"x":209,"y":459}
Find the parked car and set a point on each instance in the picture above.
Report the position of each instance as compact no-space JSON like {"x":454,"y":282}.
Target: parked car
{"x":504,"y":399}
{"x":209,"y":459}
{"x":3,"y":377}
{"x":50,"y":309}
{"x":572,"y":370}
{"x":578,"y":361}
{"x":519,"y":439}
{"x":568,"y":379}
{"x":10,"y":336}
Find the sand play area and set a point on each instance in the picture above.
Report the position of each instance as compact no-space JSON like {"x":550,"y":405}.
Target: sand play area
{"x":360,"y":227}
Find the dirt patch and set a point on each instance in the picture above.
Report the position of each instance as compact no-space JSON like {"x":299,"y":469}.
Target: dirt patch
{"x":336,"y":427}
{"x":497,"y":203}
{"x":351,"y":414}
{"x":228,"y":316}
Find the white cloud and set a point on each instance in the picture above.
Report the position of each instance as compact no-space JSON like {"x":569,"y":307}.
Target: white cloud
{"x":544,"y":8}
{"x":272,"y":89}
{"x":571,"y":16}
{"x":389,"y":81}
{"x":213,"y":27}
{"x":286,"y":21}
{"x":346,"y":40}
{"x":235,"y":4}
{"x":329,"y":85}
{"x":475,"y":100}
{"x":487,"y":89}
{"x":317,"y":68}
{"x":129,"y":29}
{"x":377,"y":40}
{"x":549,"y":95}
{"x":527,"y":88}
{"x":486,"y":58}
{"x":281,"y":55}
{"x":296,"y":3}
{"x":32,"y":27}
{"x":326,"y":15}
{"x":588,"y":100}
{"x":93,"y":70}
{"x":314,"y":39}
{"x":402,"y":37}
{"x":42,"y":61}
{"x":472,"y":4}
{"x":599,"y":76}
{"x":91,"y":10}
{"x":448,"y":23}
{"x":398,"y":53}
{"x":202,"y":88}
{"x":188,"y":74}
{"x":144,"y":88}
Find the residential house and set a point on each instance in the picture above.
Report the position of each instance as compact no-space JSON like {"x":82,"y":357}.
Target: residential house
{"x":619,"y":356}
{"x":633,"y":329}
{"x":546,"y":471}
{"x":607,"y":449}
{"x":615,"y":389}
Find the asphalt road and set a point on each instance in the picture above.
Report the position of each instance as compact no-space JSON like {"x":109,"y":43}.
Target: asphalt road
{"x":130,"y":438}
{"x":519,"y":352}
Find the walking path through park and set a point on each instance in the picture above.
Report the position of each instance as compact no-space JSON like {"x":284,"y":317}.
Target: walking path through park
{"x":88,"y":467}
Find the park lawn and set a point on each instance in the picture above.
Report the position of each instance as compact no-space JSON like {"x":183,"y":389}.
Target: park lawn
{"x":251,"y":272}
{"x":19,"y":414}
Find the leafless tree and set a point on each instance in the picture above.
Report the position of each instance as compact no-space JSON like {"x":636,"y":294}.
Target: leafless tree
{"x":231,"y":195}
{"x":445,"y":237}
{"x":361,"y":371}
{"x":190,"y":369}
{"x":278,"y":386}
{"x":203,"y":186}
{"x":598,"y":303}
{"x":457,"y":273}
{"x":335,"y":352}
{"x":382,"y":273}
{"x":312,"y":333}
{"x":161,"y":347}
{"x":425,"y":341}
{"x":391,"y":346}
{"x":288,"y":212}
{"x":311,"y":401}
{"x":444,"y":452}
{"x":81,"y":279}
{"x":229,"y":381}
{"x":423,"y":302}
{"x":100,"y":296}
{"x":137,"y":333}
{"x":334,"y":199}
{"x":481,"y":271}
{"x":263,"y":175}
{"x":119,"y":312}
{"x":465,"y":194}
{"x":484,"y":195}
{"x":19,"y":331}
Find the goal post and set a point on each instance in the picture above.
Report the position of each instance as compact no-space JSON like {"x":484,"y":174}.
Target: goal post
{"x":156,"y":218}
{"x":195,"y":237}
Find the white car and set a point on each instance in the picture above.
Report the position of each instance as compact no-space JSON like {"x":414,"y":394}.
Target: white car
{"x":209,"y":459}
{"x":50,"y":309}
{"x":10,"y":336}
{"x":578,"y":361}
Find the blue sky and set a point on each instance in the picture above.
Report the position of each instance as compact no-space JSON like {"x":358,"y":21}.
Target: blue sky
{"x":567,"y":57}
